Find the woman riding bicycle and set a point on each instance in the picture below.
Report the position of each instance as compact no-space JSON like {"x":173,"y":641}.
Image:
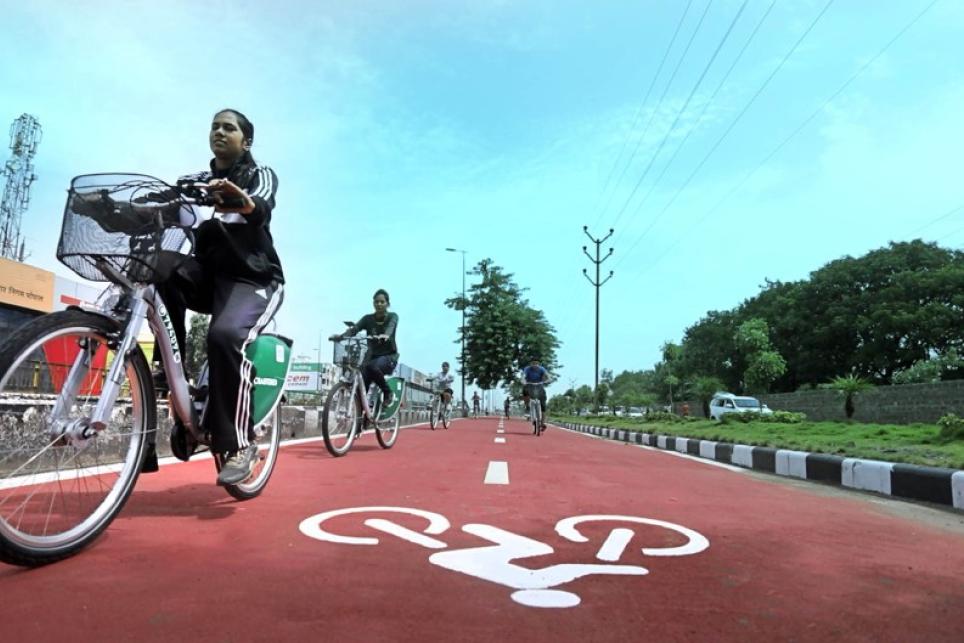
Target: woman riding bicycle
{"x":443,"y":383}
{"x":236,"y":277}
{"x":382,"y":355}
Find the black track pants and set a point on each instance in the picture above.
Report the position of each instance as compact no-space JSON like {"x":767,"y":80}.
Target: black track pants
{"x":239,"y":312}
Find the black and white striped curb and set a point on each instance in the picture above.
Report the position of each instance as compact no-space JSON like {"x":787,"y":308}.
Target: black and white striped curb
{"x":932,"y":484}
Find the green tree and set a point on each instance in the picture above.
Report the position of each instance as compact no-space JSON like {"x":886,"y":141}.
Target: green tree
{"x":933,"y":369}
{"x":584,"y":396}
{"x":764,"y":364}
{"x":197,"y":345}
{"x":502,"y":332}
{"x":704,"y":387}
{"x":850,"y":386}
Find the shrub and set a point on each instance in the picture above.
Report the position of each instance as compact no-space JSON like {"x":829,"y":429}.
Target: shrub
{"x":952,"y":428}
{"x":778,"y":417}
{"x":662,"y":416}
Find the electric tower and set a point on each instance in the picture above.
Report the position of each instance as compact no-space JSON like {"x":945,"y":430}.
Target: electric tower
{"x":18,"y":172}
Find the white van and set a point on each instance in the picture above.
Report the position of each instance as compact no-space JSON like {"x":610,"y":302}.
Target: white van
{"x":723,"y":403}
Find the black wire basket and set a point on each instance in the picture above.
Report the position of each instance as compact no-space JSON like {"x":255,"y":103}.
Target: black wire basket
{"x":133,"y":224}
{"x":349,"y":353}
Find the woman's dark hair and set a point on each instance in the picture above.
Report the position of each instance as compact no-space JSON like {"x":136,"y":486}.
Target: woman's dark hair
{"x":247,"y":129}
{"x":383,"y":292}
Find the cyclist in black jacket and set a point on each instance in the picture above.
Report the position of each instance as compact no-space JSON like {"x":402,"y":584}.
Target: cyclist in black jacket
{"x":382,"y":356}
{"x":235,"y":276}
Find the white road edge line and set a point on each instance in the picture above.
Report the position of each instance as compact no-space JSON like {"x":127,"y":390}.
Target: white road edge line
{"x":722,"y":465}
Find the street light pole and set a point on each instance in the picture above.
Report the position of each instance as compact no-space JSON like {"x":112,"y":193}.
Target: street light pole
{"x":464,"y":407}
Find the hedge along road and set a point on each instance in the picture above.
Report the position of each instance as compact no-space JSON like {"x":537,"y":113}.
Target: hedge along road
{"x":912,"y":444}
{"x":485,"y":531}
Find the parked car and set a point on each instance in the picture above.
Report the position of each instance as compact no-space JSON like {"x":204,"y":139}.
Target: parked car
{"x":634,"y":412}
{"x":723,"y":403}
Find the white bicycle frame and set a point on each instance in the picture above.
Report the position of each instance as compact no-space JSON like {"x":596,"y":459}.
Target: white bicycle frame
{"x":145,"y":304}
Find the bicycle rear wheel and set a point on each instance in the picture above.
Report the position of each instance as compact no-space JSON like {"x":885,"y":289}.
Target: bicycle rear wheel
{"x":58,"y":489}
{"x":341,"y":416}
{"x":268,"y":438}
{"x":386,"y":431}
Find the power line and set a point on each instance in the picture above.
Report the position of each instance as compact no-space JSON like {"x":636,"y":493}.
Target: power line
{"x":659,"y":103}
{"x":729,"y":129}
{"x":682,"y":109}
{"x":639,"y":110}
{"x":940,"y":218}
{"x":706,"y":105}
{"x":800,"y":128}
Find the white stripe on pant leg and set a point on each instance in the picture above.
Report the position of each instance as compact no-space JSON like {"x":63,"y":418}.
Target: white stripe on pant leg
{"x":266,"y":316}
{"x":243,"y":405}
{"x":269,"y":312}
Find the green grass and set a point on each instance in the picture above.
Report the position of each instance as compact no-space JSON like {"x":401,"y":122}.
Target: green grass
{"x":907,"y":443}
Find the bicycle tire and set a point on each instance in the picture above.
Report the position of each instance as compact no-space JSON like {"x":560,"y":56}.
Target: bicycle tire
{"x":269,"y":442}
{"x":446,"y":418}
{"x":386,"y":431}
{"x":433,"y":416}
{"x":339,"y":420}
{"x":112,"y":458}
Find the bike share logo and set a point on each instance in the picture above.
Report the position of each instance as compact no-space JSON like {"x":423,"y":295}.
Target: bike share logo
{"x":265,"y":381}
{"x":493,"y":563}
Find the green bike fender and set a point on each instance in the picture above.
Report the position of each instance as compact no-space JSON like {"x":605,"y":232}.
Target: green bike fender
{"x":270,"y":356}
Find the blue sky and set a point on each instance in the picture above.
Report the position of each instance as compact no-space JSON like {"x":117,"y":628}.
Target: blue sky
{"x":401,"y":128}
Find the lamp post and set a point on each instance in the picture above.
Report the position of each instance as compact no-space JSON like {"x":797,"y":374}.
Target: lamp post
{"x":464,"y":407}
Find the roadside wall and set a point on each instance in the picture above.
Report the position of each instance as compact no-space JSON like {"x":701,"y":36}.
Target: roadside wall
{"x":904,"y":404}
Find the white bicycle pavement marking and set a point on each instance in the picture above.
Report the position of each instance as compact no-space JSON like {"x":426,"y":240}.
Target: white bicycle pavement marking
{"x":493,"y":563}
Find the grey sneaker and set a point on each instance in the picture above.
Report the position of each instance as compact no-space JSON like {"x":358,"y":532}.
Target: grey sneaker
{"x":238,"y":466}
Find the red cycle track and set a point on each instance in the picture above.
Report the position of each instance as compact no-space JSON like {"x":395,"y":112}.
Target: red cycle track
{"x":184,"y":561}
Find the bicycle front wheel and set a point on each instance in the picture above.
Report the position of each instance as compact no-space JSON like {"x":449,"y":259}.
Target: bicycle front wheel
{"x":60,"y":486}
{"x":433,"y":416}
{"x":446,"y":417}
{"x":341,"y":416}
{"x":268,"y":437}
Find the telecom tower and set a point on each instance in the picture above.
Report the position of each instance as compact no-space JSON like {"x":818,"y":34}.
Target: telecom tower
{"x":24,"y":138}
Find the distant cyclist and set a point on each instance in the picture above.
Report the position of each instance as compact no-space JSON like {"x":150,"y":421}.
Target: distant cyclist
{"x":443,"y":383}
{"x":534,"y":374}
{"x":476,"y":403}
{"x":507,"y":405}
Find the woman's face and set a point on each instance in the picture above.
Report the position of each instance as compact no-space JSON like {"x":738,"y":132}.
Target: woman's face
{"x":226,"y":138}
{"x":380,"y":303}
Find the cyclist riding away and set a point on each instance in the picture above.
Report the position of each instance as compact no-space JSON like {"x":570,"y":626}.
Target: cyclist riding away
{"x":476,"y":403}
{"x":533,"y":374}
{"x":235,"y":276}
{"x":507,"y":405}
{"x":382,"y":355}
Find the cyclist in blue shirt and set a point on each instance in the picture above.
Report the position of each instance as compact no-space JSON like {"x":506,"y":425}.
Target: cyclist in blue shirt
{"x":533,"y":374}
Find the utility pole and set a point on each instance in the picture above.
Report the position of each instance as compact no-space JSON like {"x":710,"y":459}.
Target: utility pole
{"x":598,"y":284}
{"x":24,"y":137}
{"x":465,"y":406}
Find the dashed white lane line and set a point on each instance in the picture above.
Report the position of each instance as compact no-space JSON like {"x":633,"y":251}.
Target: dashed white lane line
{"x":500,"y":440}
{"x":497,"y":473}
{"x":500,"y":430}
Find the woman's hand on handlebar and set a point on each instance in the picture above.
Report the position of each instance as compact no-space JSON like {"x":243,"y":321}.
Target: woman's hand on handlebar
{"x":228,"y":197}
